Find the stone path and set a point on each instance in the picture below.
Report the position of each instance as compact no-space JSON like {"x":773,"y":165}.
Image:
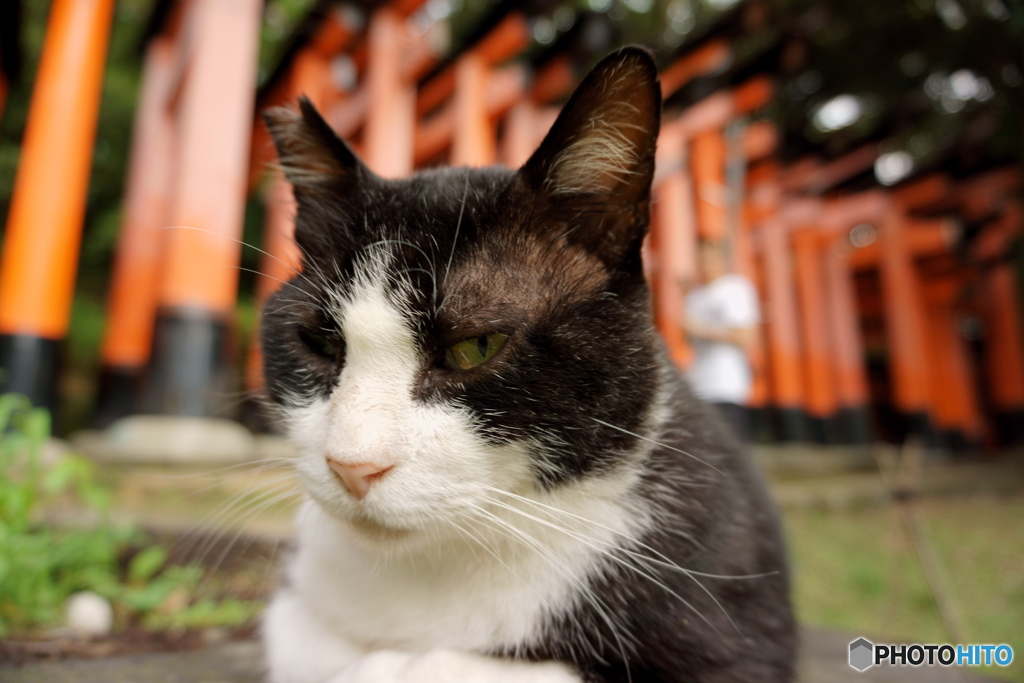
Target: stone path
{"x":238,"y":662}
{"x":823,"y":660}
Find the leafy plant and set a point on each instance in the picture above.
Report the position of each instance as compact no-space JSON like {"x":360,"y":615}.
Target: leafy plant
{"x":40,"y":566}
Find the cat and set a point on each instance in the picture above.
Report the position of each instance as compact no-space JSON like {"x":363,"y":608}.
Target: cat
{"x":507,"y":478}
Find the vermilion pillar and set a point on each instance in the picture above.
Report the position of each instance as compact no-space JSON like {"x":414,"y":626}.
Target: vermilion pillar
{"x":787,"y":387}
{"x":707,"y":158}
{"x":280,"y":262}
{"x":848,"y":369}
{"x":520,"y":138}
{"x":904,"y":320}
{"x":473,"y":141}
{"x":953,"y":386}
{"x":391,"y":117}
{"x":757,"y":349}
{"x":131,"y":304}
{"x":197,"y":287}
{"x":819,"y":382}
{"x":760,"y":203}
{"x":674,"y":235}
{"x":310,"y":77}
{"x":1004,"y":352}
{"x":40,"y":257}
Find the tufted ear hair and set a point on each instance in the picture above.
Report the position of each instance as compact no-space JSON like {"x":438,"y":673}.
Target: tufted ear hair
{"x":603,"y":141}
{"x":598,"y":156}
{"x":326,"y":175}
{"x":314,"y":159}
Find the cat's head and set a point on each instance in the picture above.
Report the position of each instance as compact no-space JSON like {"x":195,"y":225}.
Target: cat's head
{"x":466,"y":330}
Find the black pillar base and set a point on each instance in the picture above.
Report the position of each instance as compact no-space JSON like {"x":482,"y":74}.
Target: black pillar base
{"x":846,"y":426}
{"x":854,"y":425}
{"x":958,"y":444}
{"x":825,"y":430}
{"x":30,"y":366}
{"x":1009,"y":426}
{"x":917,"y":425}
{"x":762,"y":425}
{"x":119,"y":394}
{"x":792,"y":424}
{"x":187,"y":374}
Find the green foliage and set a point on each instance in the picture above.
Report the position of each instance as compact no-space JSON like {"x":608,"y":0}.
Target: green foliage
{"x":41,"y":566}
{"x":147,"y":563}
{"x":206,"y":613}
{"x":897,"y":57}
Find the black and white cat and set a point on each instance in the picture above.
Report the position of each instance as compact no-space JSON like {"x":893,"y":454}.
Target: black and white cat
{"x":507,"y":478}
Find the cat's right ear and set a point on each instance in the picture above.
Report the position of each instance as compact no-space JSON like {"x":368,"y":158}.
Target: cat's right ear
{"x":314,"y":159}
{"x":596,"y":164}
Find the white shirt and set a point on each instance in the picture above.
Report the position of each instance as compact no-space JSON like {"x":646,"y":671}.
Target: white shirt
{"x":720,"y":372}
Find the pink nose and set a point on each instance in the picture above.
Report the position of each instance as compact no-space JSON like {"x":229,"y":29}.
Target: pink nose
{"x":358,"y":478}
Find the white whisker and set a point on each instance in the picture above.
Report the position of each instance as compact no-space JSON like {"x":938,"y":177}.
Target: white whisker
{"x":458,"y":226}
{"x":232,"y":239}
{"x":611,"y":556}
{"x":657,"y":443}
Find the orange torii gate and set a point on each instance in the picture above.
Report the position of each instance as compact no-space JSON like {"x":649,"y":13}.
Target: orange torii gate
{"x":690,"y":188}
{"x":403,"y":107}
{"x":175,"y":276}
{"x":933,"y":382}
{"x":44,"y":227}
{"x":381,"y":106}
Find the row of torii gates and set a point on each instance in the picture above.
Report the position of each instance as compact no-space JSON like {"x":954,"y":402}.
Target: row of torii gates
{"x":845,"y":277}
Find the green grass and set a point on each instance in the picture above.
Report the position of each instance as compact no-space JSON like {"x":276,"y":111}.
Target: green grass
{"x":856,"y":571}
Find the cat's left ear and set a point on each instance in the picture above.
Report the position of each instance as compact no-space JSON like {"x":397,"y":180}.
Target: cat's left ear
{"x":314,"y":159}
{"x":598,"y":156}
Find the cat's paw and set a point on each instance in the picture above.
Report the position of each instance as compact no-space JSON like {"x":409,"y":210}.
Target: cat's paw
{"x":448,"y":666}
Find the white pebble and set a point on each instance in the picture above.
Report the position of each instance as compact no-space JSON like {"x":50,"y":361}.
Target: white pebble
{"x":89,"y":614}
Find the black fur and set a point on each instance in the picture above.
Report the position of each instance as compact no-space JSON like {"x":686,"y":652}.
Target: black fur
{"x":492,"y":250}
{"x":723,"y":524}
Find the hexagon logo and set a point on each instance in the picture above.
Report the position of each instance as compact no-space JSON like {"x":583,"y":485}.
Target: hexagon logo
{"x":861,"y":654}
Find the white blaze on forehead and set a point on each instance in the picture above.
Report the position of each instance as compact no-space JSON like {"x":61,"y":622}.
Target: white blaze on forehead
{"x":377,"y":334}
{"x":372,"y":404}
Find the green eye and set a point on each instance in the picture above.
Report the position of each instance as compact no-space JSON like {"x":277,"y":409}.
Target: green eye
{"x":319,"y":343}
{"x":471,"y":352}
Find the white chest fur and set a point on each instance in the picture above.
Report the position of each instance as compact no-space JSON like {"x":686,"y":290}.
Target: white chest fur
{"x":491,"y":591}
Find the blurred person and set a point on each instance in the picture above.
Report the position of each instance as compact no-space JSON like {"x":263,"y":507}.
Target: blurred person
{"x":718,"y":318}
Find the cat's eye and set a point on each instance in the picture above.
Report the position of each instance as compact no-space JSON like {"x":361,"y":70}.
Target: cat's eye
{"x":321,"y":343}
{"x":471,"y":352}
